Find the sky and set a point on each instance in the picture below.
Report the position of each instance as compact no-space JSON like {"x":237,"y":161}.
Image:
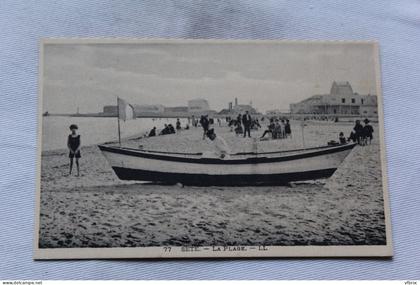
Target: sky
{"x":271,"y":75}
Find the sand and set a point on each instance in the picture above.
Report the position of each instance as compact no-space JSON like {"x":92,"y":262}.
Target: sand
{"x":98,"y":210}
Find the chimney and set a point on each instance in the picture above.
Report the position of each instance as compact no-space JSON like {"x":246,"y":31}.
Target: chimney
{"x":236,"y":101}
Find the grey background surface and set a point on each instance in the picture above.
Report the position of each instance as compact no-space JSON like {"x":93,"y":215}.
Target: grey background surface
{"x":395,"y":24}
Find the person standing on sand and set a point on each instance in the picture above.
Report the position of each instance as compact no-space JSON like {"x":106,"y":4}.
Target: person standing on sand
{"x":239,"y":118}
{"x":247,"y":121}
{"x":358,"y":129}
{"x":204,"y":121}
{"x":283,"y":129}
{"x":238,"y":128}
{"x":277,"y":130}
{"x":73,"y":144}
{"x":288,"y":130}
{"x":367,"y":132}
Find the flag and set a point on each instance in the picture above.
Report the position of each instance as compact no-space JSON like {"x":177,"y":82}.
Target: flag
{"x":125,"y":110}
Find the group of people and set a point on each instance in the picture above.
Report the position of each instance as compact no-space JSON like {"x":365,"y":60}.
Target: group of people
{"x":243,"y":124}
{"x":279,"y":129}
{"x":363,"y":135}
{"x":167,"y":129}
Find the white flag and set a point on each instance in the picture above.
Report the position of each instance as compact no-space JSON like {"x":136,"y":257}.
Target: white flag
{"x":125,"y":110}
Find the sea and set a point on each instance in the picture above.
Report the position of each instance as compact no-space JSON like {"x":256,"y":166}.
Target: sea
{"x":96,"y":130}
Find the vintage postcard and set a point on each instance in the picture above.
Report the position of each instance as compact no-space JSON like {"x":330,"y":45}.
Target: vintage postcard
{"x":208,"y":148}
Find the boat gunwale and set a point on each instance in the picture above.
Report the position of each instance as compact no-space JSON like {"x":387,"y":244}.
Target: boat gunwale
{"x":232,"y":154}
{"x":256,"y":158}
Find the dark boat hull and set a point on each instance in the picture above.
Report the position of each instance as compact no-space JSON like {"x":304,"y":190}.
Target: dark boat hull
{"x":221,"y":180}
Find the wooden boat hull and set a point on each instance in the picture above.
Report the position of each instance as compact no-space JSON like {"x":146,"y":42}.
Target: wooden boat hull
{"x":275,"y":168}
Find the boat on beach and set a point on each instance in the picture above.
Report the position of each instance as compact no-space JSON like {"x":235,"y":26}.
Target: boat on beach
{"x":239,"y":169}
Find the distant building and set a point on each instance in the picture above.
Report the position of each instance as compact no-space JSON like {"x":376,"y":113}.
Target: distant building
{"x":198,"y":105}
{"x":225,"y":112}
{"x":110,"y":110}
{"x":272,"y":112}
{"x":276,"y":112}
{"x":240,"y":108}
{"x":237,"y":109}
{"x":341,"y":100}
{"x":178,"y":109}
{"x":148,"y":109}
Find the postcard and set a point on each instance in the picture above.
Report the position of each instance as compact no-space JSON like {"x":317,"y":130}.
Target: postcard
{"x":209,"y":149}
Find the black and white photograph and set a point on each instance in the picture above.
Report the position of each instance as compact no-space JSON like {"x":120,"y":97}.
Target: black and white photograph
{"x":210,"y":148}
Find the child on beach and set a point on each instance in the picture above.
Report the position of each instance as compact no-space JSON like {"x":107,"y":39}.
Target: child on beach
{"x":73,"y":144}
{"x":342,"y":138}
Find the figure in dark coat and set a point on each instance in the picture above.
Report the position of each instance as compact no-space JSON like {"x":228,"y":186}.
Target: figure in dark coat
{"x":288,"y":130}
{"x":239,"y":118}
{"x":204,"y":121}
{"x":247,"y":121}
{"x":367,"y":132}
{"x":164,"y":131}
{"x":152,"y":132}
{"x":358,"y":129}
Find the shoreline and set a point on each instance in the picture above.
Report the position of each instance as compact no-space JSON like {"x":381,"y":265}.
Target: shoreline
{"x":59,"y":151}
{"x":132,"y":139}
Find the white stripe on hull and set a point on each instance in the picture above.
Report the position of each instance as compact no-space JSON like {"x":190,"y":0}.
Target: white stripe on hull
{"x":319,"y":162}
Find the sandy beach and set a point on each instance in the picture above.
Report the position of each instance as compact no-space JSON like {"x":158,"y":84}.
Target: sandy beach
{"x":99,"y":210}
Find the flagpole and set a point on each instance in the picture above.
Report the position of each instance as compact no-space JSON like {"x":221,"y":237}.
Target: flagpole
{"x":118,"y":119}
{"x":303,"y":135}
